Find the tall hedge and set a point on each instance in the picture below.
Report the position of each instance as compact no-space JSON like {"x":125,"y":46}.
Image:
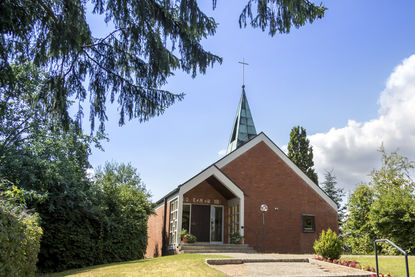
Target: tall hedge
{"x":19,"y":240}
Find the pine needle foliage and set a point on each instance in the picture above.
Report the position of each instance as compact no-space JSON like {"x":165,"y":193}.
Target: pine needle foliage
{"x":280,"y":15}
{"x":129,"y":65}
{"x":334,"y":192}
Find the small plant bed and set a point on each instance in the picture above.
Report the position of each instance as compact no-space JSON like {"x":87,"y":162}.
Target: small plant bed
{"x":395,"y":265}
{"x":175,"y":265}
{"x":392,"y":265}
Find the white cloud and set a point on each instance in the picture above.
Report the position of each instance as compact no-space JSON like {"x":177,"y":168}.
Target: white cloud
{"x":352,"y":150}
{"x":222,"y":152}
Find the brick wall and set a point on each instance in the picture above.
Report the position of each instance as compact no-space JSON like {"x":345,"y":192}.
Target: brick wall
{"x":154,"y":232}
{"x":265,"y":178}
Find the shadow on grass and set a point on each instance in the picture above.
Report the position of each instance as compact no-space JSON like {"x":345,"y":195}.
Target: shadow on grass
{"x":168,"y":263}
{"x":92,"y":267}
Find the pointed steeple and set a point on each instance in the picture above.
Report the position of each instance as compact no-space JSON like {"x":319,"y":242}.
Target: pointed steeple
{"x":243,"y":128}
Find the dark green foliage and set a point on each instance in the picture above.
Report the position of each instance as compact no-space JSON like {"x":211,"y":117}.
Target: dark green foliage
{"x":301,"y":153}
{"x":236,"y":238}
{"x":280,"y":15}
{"x":329,"y":245}
{"x":124,"y":204}
{"x":334,"y":192}
{"x":129,"y":65}
{"x":81,"y":227}
{"x":20,"y":233}
{"x":150,"y":39}
{"x":190,"y":238}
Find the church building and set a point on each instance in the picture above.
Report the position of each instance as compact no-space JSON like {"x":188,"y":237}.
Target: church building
{"x":255,"y":190}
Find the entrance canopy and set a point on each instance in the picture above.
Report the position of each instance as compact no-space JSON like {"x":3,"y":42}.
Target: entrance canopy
{"x":211,"y":181}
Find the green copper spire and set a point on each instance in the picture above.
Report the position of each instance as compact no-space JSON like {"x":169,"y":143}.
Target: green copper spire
{"x":243,"y":128}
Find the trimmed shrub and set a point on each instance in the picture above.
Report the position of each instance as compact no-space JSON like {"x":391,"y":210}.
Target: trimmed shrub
{"x":329,"y":245}
{"x":19,"y":240}
{"x":236,"y":238}
{"x":190,"y":238}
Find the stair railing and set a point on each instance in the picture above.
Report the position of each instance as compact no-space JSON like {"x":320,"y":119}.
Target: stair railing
{"x":256,"y":235}
{"x":397,"y":247}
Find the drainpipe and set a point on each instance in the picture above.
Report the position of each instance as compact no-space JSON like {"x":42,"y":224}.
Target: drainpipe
{"x":163,"y":235}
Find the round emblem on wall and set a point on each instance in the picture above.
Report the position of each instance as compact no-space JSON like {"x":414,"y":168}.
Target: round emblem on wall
{"x":264,"y":208}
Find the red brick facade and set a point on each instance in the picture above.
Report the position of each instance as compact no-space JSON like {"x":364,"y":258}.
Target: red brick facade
{"x":266,"y":178}
{"x":155,"y":232}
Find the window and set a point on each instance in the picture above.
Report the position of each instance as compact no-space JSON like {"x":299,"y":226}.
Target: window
{"x":186,"y":218}
{"x":173,"y":221}
{"x":309,"y":224}
{"x":233,"y":220}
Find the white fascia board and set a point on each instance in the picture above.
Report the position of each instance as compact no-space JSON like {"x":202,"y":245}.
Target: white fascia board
{"x":171,"y":197}
{"x":202,"y":176}
{"x":262,"y":137}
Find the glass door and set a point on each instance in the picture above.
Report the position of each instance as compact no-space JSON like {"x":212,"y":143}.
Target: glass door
{"x":216,"y":224}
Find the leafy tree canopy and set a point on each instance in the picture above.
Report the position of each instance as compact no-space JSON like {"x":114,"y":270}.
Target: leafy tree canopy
{"x":301,"y":152}
{"x":393,"y":211}
{"x":358,"y":230}
{"x":149,"y":41}
{"x":385,"y":208}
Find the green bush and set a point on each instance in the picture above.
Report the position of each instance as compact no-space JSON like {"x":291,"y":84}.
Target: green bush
{"x":19,"y":240}
{"x":190,"y":238}
{"x":329,"y":245}
{"x":236,"y":238}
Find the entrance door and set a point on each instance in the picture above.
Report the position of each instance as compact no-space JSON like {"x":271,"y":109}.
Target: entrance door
{"x":200,"y":222}
{"x":216,"y":224}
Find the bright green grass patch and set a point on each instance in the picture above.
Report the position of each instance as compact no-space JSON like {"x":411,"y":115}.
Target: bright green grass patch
{"x":176,"y":265}
{"x":395,"y":265}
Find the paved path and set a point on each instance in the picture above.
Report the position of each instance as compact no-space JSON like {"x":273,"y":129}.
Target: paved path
{"x":292,"y":269}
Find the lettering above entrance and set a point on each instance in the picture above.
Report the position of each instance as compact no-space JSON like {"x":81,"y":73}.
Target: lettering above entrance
{"x":195,"y":200}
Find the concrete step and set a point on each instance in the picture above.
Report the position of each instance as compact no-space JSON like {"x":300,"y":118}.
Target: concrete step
{"x":215,"y":248}
{"x":218,"y":251}
{"x":227,"y":246}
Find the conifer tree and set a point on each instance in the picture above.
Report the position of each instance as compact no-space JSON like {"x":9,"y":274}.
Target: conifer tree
{"x":334,"y":192}
{"x":149,"y":41}
{"x":301,"y":153}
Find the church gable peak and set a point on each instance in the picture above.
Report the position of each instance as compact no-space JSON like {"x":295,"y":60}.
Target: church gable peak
{"x":243,"y":127}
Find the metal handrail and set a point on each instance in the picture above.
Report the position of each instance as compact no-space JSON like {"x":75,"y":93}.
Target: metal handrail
{"x":397,"y":247}
{"x":256,"y":235}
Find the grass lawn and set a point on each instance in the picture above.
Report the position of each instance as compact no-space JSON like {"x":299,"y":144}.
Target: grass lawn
{"x":175,"y":265}
{"x":395,"y":265}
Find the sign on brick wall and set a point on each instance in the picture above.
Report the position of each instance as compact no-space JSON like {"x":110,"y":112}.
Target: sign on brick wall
{"x":196,"y":200}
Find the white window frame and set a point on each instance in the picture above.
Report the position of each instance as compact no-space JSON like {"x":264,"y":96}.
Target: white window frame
{"x":173,"y":221}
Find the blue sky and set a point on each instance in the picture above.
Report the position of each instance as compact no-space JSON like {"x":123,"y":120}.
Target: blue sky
{"x":320,"y":76}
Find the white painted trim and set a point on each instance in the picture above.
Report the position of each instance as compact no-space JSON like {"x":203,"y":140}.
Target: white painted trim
{"x":241,"y":215}
{"x":214,"y":171}
{"x":179,"y":219}
{"x":190,"y":216}
{"x":211,"y":171}
{"x":223,"y":224}
{"x":170,"y":198}
{"x":262,"y":137}
{"x":178,"y":211}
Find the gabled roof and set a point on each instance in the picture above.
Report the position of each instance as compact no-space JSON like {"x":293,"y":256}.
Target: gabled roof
{"x":243,"y":127}
{"x":262,"y":137}
{"x":214,"y":169}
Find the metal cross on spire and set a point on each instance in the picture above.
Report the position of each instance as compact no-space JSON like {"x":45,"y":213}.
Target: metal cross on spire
{"x":243,"y":71}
